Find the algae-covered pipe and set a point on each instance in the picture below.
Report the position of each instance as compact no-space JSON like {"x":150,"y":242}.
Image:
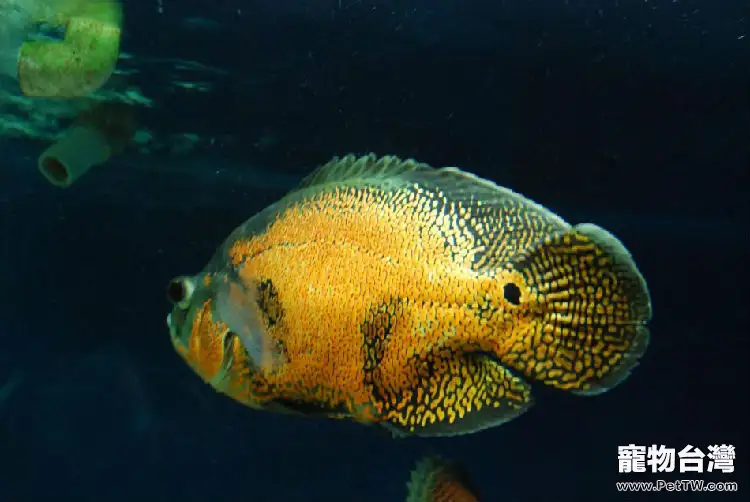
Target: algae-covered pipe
{"x":83,"y":61}
{"x":95,"y":136}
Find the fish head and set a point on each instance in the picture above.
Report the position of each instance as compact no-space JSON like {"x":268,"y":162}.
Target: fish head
{"x":205,"y":342}
{"x":217,"y":327}
{"x":196,"y":336}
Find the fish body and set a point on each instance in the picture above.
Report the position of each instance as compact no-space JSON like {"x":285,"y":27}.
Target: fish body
{"x":425,"y":300}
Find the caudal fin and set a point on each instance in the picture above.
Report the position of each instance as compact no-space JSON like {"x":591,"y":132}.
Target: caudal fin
{"x":589,"y":307}
{"x":437,"y":480}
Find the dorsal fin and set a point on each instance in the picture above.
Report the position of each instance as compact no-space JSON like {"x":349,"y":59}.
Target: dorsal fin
{"x":393,"y":171}
{"x":353,"y":168}
{"x":502,"y":221}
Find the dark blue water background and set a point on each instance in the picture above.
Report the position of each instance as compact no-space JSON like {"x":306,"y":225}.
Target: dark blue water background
{"x":628,"y":113}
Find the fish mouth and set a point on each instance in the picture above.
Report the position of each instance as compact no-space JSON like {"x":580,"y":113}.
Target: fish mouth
{"x":175,"y":322}
{"x":170,"y":325}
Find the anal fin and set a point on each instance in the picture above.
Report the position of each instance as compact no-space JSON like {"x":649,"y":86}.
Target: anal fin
{"x":435,"y":479}
{"x":465,"y":394}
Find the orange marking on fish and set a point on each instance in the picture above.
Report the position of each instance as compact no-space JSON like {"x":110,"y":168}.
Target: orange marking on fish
{"x":318,"y":260}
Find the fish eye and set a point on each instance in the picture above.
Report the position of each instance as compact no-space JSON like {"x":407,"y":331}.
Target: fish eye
{"x":179,"y":291}
{"x":512,"y":294}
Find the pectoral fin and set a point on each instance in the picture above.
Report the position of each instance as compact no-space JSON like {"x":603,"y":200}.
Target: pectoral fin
{"x":237,"y":307}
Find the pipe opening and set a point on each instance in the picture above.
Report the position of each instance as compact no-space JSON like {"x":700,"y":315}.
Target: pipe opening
{"x":55,"y":169}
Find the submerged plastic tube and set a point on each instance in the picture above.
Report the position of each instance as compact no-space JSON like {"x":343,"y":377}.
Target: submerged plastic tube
{"x":82,"y":148}
{"x":93,"y":138}
{"x":83,"y":61}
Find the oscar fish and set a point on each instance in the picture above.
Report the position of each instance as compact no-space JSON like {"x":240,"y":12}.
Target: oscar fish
{"x":435,"y":479}
{"x":424,"y":300}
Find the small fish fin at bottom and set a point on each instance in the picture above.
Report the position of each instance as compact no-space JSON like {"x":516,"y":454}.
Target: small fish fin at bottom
{"x":469,"y":393}
{"x":591,"y":308}
{"x":237,"y":307}
{"x":435,"y":479}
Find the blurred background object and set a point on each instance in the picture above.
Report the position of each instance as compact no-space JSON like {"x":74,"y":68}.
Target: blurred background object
{"x":98,"y":133}
{"x":60,"y":48}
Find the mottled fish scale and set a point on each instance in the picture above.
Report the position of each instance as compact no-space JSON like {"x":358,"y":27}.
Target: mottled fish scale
{"x":421,"y":256}
{"x":400,"y":258}
{"x":419,"y":298}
